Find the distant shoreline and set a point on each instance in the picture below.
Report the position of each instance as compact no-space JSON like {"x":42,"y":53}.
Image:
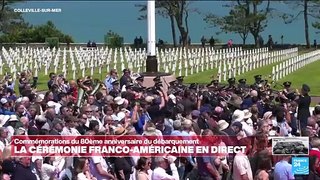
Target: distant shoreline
{"x":193,"y":45}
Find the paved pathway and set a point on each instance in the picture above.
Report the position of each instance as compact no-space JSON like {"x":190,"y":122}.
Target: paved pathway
{"x":315,"y":99}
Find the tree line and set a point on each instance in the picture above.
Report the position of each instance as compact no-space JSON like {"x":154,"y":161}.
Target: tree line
{"x":13,"y":28}
{"x":245,"y":18}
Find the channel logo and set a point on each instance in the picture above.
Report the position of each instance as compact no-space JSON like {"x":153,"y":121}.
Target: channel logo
{"x":300,"y":165}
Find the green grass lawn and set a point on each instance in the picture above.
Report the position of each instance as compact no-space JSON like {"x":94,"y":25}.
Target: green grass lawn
{"x":202,"y":77}
{"x":206,"y":76}
{"x":307,"y":75}
{"x":265,"y":71}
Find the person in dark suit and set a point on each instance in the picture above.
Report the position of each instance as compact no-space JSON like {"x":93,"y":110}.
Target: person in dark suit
{"x":257,"y":79}
{"x":89,"y":44}
{"x":304,"y":101}
{"x":139,"y":81}
{"x":232,"y":84}
{"x":93,"y":44}
{"x":287,"y":94}
{"x":242,"y":83}
{"x":52,"y":76}
{"x":115,"y":91}
{"x":157,"y":79}
{"x":125,"y":79}
{"x":214,"y":85}
{"x":23,"y":171}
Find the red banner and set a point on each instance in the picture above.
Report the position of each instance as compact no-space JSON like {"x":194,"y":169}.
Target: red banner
{"x":87,"y":146}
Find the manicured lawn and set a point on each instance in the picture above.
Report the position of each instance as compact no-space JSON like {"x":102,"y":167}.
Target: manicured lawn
{"x":205,"y":77}
{"x":310,"y":75}
{"x":265,"y":71}
{"x":202,"y":77}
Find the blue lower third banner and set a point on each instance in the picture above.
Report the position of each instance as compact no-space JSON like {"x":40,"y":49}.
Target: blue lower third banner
{"x":300,"y":165}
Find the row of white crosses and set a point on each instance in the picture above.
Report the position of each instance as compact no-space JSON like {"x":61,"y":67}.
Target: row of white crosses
{"x":21,"y":59}
{"x":186,"y":62}
{"x":250,"y":60}
{"x":287,"y":67}
{"x":180,"y":61}
{"x":57,"y":60}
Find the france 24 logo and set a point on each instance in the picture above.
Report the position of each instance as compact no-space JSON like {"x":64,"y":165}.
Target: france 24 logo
{"x":300,"y":165}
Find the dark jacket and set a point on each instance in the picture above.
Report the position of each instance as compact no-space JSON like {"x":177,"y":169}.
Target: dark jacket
{"x":303,"y":110}
{"x":23,"y":173}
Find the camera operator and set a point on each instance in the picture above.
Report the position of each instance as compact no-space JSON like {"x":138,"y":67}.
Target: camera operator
{"x":157,"y":103}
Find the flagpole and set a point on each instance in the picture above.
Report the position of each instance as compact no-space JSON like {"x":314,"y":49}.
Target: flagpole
{"x":152,"y":63}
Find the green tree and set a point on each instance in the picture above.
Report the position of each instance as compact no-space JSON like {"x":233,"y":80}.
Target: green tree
{"x":113,"y":40}
{"x":256,"y":14}
{"x":307,"y":8}
{"x":9,"y":20}
{"x":35,"y":34}
{"x":316,"y":25}
{"x":235,"y":22}
{"x":253,"y":14}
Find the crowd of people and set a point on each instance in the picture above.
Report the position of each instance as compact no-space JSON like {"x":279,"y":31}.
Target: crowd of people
{"x":123,"y":106}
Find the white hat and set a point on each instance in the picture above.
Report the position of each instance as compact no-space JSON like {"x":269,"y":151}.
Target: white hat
{"x":34,"y":158}
{"x":3,"y":100}
{"x":115,"y":118}
{"x":267,"y":115}
{"x":272,"y":133}
{"x":3,"y":119}
{"x":121,"y":115}
{"x":51,"y":104}
{"x":119,"y":100}
{"x":247,"y":114}
{"x":41,"y":96}
{"x":222,"y":124}
{"x":13,"y":118}
{"x":19,"y":100}
{"x":20,"y":131}
{"x":238,"y":115}
{"x":173,"y":98}
{"x":41,"y":118}
{"x":124,"y":88}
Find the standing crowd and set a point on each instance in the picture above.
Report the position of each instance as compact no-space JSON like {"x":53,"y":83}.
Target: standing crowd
{"x":122,"y":106}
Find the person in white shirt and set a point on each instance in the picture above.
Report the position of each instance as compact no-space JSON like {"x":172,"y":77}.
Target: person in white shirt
{"x":3,"y":138}
{"x":159,"y":173}
{"x":69,"y":127}
{"x":100,"y":168}
{"x":37,"y":162}
{"x":241,"y":164}
{"x":48,"y":170}
{"x":239,"y":116}
{"x":113,"y":76}
{"x":87,"y":110}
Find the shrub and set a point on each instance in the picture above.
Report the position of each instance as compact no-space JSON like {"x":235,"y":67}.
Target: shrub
{"x":113,"y":40}
{"x":52,"y":42}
